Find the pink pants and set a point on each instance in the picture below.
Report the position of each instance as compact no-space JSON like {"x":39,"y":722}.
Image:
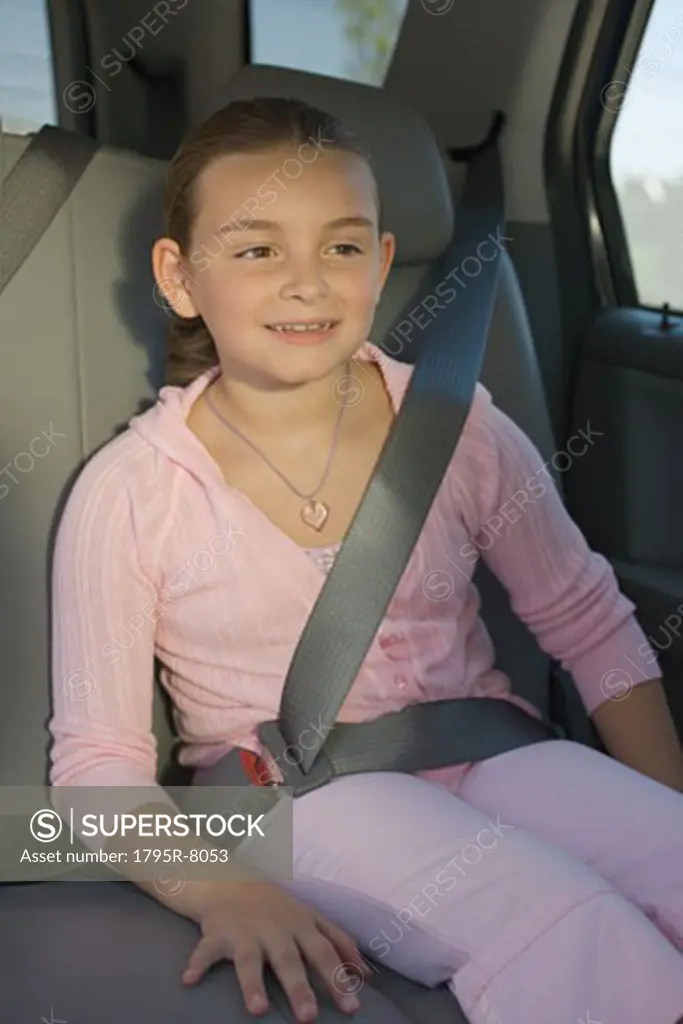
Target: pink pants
{"x":549,"y":889}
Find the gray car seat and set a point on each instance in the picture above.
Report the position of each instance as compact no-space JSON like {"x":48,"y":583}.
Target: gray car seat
{"x":82,"y":339}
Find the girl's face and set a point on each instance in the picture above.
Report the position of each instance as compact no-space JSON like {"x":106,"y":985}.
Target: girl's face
{"x":283,"y":240}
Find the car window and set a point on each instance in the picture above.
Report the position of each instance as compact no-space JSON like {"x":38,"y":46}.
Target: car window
{"x":353,"y":39}
{"x":646,"y":157}
{"x":27,"y":98}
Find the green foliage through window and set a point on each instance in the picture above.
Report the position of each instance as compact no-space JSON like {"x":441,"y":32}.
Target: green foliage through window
{"x":372,"y":28}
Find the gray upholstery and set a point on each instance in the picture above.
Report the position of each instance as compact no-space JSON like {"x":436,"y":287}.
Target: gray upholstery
{"x":105,"y":953}
{"x":82,"y":342}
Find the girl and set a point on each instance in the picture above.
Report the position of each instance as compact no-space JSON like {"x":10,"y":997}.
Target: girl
{"x":544,"y":884}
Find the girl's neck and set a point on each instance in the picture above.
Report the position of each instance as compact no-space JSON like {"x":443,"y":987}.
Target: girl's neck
{"x":306,"y":409}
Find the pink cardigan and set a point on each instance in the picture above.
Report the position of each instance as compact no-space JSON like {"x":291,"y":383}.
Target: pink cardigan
{"x":157,"y":555}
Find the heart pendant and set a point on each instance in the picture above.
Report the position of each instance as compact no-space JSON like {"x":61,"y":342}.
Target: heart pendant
{"x":314,"y":514}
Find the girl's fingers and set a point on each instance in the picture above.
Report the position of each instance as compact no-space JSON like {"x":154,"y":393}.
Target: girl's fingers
{"x":322,"y":955}
{"x":248,"y":961}
{"x":348,"y":951}
{"x":205,"y":954}
{"x":313,"y":941}
{"x":285,"y":959}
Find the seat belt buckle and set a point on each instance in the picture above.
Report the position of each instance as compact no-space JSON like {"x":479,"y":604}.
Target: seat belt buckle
{"x":287,"y":757}
{"x":255,"y":769}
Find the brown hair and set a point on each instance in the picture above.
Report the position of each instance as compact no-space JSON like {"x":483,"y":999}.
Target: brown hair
{"x":244,"y":126}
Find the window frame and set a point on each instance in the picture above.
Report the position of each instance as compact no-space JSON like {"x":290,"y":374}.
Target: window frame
{"x":595,"y":269}
{"x":607,"y":203}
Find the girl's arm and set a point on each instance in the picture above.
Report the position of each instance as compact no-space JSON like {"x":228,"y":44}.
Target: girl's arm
{"x":103,"y":626}
{"x":640,"y":732}
{"x":105,"y":609}
{"x":566,"y":594}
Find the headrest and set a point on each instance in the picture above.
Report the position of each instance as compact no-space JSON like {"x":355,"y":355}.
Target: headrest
{"x":409,"y":167}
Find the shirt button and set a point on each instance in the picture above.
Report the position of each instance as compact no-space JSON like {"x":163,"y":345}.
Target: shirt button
{"x":389,"y":642}
{"x":401,"y":682}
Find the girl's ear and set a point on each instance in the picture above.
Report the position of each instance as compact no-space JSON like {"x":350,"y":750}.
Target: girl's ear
{"x":172,"y":286}
{"x":387,"y":250}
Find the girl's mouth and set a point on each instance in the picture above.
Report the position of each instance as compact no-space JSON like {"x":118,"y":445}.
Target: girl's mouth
{"x":303,"y":332}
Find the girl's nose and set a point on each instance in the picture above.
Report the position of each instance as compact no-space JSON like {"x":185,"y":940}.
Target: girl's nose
{"x":306,"y":284}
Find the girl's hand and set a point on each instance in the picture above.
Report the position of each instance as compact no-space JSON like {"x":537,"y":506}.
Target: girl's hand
{"x":253,"y":922}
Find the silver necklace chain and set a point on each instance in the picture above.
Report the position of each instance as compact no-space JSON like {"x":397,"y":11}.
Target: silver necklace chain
{"x":328,"y":465}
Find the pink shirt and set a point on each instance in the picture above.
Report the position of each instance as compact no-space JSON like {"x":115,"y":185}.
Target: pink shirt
{"x":157,"y":555}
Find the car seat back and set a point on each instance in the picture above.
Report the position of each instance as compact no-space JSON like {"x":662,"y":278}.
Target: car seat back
{"x":83,"y":344}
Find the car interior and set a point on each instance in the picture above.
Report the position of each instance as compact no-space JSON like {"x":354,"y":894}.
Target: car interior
{"x":586,"y":339}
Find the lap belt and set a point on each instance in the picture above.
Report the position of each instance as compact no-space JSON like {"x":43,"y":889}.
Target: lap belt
{"x":380,"y":540}
{"x":436,"y":734}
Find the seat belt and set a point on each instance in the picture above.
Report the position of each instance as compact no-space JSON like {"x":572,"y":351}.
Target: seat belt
{"x":35,"y":190}
{"x":381,"y":538}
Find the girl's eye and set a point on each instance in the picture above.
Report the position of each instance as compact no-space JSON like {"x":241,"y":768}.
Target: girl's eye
{"x":347,"y":249}
{"x":256,"y":252}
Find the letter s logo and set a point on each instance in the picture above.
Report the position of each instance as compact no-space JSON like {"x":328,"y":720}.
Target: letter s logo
{"x":46,"y":825}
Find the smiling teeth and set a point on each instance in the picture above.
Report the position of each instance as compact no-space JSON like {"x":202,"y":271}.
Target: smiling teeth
{"x":322,"y":325}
